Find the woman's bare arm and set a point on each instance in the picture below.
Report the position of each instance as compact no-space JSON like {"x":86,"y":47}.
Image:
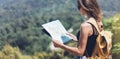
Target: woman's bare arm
{"x":85,"y":31}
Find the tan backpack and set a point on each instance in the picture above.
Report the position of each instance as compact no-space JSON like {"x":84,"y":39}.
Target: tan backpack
{"x":103,"y":43}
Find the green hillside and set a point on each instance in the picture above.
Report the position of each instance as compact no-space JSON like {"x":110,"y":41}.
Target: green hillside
{"x":21,"y":30}
{"x":11,"y":10}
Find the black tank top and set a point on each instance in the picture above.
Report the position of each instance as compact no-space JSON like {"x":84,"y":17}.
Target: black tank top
{"x":90,"y":42}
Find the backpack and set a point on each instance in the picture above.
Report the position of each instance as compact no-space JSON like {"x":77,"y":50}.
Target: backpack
{"x":103,"y":45}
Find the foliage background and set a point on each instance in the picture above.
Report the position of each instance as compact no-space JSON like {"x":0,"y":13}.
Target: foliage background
{"x":21,"y":35}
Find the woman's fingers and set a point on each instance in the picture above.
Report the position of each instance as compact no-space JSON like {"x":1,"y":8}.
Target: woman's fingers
{"x":72,"y":36}
{"x":56,"y":43}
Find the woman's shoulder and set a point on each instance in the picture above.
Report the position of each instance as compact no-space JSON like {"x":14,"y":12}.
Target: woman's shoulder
{"x":86,"y":25}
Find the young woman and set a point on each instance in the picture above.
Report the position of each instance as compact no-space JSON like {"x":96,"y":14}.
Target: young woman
{"x":87,"y":35}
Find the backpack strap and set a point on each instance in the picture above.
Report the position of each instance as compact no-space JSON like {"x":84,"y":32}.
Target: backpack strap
{"x":101,"y":33}
{"x":94,"y":23}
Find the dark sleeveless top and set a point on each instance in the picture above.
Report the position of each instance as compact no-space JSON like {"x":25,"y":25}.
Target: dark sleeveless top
{"x":90,"y":42}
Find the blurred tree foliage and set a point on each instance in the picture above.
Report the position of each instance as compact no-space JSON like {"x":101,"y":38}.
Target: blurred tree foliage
{"x":21,"y":20}
{"x":11,"y":10}
{"x":28,"y":35}
{"x":9,"y":52}
{"x":113,"y":24}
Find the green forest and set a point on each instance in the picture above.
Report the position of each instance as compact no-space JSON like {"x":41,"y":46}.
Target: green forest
{"x":22,"y":36}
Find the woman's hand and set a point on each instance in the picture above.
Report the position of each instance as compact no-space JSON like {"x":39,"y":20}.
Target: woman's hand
{"x":72,"y":36}
{"x":57,"y":43}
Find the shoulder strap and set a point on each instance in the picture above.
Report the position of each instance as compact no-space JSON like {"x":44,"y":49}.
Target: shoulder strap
{"x":94,"y":23}
{"x":107,"y":39}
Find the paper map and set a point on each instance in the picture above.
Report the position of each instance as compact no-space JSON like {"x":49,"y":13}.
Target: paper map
{"x":57,"y":31}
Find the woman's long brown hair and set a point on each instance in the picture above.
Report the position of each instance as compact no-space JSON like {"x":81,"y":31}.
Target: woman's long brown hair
{"x":91,"y":7}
